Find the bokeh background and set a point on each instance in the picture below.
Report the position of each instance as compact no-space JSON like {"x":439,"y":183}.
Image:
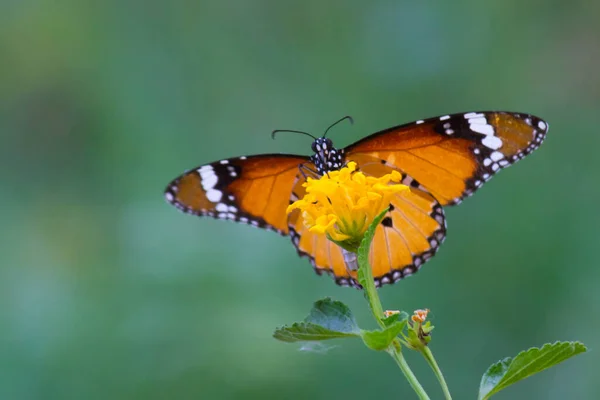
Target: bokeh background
{"x":106,"y":291}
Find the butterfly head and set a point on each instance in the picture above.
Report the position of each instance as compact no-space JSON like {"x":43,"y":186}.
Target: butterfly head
{"x":326,"y":158}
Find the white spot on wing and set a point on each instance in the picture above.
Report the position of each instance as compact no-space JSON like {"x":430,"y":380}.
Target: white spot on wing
{"x":492,"y":142}
{"x":169,"y":196}
{"x":445,"y":117}
{"x":214,"y":196}
{"x":483,"y":129}
{"x":496,"y":155}
{"x":209,"y":181}
{"x":478,"y":120}
{"x":542,"y":125}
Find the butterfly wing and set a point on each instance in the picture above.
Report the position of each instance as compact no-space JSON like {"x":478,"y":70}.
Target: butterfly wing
{"x":255,"y":190}
{"x":408,"y":236}
{"x":453,"y":155}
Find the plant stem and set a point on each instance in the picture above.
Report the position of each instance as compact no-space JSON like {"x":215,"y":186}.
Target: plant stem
{"x":412,"y":379}
{"x":365,"y":277}
{"x":395,"y":348}
{"x":372,"y":295}
{"x":438,"y":373}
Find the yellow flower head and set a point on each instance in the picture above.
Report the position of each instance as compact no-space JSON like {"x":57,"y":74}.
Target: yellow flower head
{"x":342,"y":204}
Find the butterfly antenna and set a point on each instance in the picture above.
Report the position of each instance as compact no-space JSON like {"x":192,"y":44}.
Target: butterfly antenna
{"x":347,"y":117}
{"x":291,"y":131}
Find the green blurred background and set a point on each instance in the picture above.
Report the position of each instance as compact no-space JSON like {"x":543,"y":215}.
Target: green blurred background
{"x":108,"y":292}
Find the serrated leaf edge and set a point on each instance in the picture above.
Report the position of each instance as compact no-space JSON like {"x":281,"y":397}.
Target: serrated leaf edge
{"x":540,"y":350}
{"x":286,"y":332}
{"x":502,"y":384}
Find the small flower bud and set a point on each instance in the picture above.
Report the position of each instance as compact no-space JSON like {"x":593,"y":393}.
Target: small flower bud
{"x":420,"y":316}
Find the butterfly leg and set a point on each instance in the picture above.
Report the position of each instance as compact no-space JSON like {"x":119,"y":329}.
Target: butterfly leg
{"x":307,"y":171}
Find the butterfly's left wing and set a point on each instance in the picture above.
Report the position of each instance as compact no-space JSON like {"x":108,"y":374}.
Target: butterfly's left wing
{"x":255,"y":190}
{"x":453,"y":155}
{"x":409,"y":235}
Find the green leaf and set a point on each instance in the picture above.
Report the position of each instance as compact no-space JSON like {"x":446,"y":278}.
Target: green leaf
{"x":401,"y":316}
{"x":381,"y":340}
{"x":305,"y":331}
{"x":363,"y":251}
{"x":333,"y":315}
{"x":511,"y":370}
{"x":328,"y":319}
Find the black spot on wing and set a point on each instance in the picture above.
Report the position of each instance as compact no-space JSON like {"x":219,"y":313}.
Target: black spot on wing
{"x":387,"y":222}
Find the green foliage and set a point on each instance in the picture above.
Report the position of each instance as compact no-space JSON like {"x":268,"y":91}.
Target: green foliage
{"x":305,"y":331}
{"x":381,"y":339}
{"x":328,"y":319}
{"x":401,"y":316}
{"x":511,"y":370}
{"x":333,"y":315}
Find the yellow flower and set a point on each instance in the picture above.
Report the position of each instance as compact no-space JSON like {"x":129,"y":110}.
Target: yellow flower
{"x":342,"y":204}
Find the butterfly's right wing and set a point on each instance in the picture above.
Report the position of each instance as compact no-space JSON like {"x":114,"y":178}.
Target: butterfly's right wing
{"x":454,"y":155}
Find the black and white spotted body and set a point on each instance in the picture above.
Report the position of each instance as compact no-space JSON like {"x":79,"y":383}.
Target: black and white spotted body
{"x":326,"y":158}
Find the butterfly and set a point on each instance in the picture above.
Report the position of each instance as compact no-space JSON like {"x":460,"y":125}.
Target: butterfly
{"x":442,"y":160}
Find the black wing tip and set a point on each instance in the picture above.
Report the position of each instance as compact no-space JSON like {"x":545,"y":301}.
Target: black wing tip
{"x":170,"y":192}
{"x":539,"y":124}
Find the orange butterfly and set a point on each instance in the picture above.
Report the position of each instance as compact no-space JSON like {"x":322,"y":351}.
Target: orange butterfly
{"x":443,"y":160}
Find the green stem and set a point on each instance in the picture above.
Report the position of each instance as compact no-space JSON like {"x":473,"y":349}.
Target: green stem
{"x":372,"y":295}
{"x":365,"y":277}
{"x":412,"y":379}
{"x":395,"y":348}
{"x":438,"y":372}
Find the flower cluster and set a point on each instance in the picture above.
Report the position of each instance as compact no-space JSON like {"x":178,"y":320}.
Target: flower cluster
{"x":342,"y":204}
